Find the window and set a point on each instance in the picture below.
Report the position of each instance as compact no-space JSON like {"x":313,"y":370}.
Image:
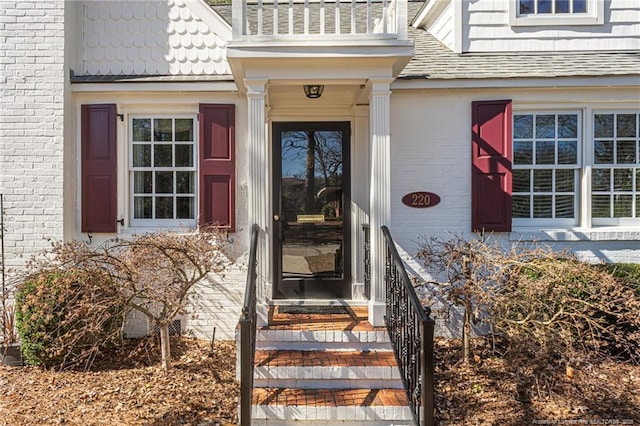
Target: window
{"x":546,"y":158}
{"x":163,"y":171}
{"x":556,"y":12}
{"x":615,"y":174}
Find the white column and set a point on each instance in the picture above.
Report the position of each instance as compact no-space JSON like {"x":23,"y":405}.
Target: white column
{"x":380,"y":190}
{"x":258,"y":183}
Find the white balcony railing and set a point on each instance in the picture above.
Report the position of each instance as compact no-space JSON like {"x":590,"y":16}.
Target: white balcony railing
{"x":309,"y":19}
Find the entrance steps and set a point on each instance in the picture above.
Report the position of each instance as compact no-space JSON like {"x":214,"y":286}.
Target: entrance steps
{"x":334,"y":368}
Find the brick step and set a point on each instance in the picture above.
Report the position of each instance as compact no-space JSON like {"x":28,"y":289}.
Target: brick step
{"x":326,"y":369}
{"x":283,"y":406}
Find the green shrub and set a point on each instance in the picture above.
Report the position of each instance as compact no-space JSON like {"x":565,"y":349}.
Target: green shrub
{"x":65,"y":317}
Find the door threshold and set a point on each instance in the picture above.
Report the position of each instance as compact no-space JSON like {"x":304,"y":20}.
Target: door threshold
{"x":317,"y":302}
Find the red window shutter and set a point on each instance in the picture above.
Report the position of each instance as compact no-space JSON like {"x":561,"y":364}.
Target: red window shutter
{"x":491,"y":173}
{"x":99,"y":167}
{"x":217,"y":166}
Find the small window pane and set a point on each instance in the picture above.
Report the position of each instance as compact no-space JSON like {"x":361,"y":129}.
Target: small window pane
{"x":601,"y":179}
{"x":568,"y":126}
{"x":603,"y":125}
{"x":164,"y":182}
{"x":185,"y":183}
{"x":141,"y":155}
{"x":545,"y":126}
{"x":521,"y":206}
{"x":579,"y":6}
{"x":545,"y":152}
{"x":142,"y":182}
{"x":542,"y":180}
{"x":162,"y":129}
{"x":567,"y":152}
{"x":564,"y":206}
{"x":526,"y":7}
{"x":184,"y":129}
{"x":600,"y":206}
{"x":141,"y":130}
{"x":622,"y":206}
{"x":626,"y":126}
{"x":523,"y":126}
{"x":142,"y":208}
{"x":521,"y":180}
{"x":164,"y":207}
{"x":565,"y":181}
{"x":523,"y":153}
{"x":626,"y":152}
{"x":184,"y":155}
{"x":562,"y":6}
{"x":638,"y":205}
{"x":162,"y":155}
{"x":542,"y":206}
{"x":603,"y":152}
{"x":544,"y":6}
{"x":622,"y":180}
{"x":184,"y":208}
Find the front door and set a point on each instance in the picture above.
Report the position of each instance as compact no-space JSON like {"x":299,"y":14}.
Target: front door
{"x":311,"y":210}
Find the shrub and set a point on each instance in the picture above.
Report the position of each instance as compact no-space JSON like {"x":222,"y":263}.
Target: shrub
{"x":66,"y":316}
{"x":568,"y":309}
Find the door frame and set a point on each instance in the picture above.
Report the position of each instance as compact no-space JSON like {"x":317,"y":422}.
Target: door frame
{"x":276,"y":163}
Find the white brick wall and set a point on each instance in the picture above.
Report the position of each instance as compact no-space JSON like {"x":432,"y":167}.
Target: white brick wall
{"x":431,"y":140}
{"x":32,"y":78}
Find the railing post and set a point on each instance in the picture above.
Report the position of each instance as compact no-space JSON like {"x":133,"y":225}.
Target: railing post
{"x":427,"y":361}
{"x":239,"y":19}
{"x":401,"y":19}
{"x":246,"y":370}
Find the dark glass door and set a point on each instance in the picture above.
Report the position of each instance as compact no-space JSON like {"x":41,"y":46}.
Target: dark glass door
{"x":311,"y":210}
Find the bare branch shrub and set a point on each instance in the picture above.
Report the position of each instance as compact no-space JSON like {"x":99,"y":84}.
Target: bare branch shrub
{"x":542,"y":301}
{"x":74,"y":291}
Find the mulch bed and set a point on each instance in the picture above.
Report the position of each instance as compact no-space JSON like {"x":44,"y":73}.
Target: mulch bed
{"x":129,"y":388}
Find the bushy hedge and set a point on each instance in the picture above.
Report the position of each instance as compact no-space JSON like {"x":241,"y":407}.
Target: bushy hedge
{"x":65,"y":317}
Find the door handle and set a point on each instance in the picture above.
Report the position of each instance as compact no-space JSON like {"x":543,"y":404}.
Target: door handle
{"x":276,"y":217}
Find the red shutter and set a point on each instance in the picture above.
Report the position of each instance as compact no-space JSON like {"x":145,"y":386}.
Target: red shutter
{"x":491,"y":173}
{"x":217,"y":166}
{"x":99,"y":186}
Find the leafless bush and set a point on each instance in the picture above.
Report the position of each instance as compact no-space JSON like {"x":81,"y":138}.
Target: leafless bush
{"x":152,"y":273}
{"x":541,"y":300}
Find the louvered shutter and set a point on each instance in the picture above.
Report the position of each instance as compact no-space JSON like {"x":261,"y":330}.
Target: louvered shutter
{"x":217,"y":166}
{"x":99,"y":167}
{"x":491,"y":159}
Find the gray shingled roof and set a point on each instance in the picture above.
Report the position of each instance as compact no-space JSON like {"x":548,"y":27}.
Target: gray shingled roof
{"x":433,"y":61}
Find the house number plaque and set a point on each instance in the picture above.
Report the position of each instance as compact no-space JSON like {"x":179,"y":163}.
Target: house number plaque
{"x":420,"y":199}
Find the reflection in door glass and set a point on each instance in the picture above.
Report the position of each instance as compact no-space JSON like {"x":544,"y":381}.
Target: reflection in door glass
{"x":312,"y":204}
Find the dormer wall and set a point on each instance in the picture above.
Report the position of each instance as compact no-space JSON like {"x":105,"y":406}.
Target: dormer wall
{"x":466,"y":26}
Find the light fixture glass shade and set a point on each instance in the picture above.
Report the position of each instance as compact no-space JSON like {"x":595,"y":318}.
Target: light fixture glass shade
{"x":313,"y":91}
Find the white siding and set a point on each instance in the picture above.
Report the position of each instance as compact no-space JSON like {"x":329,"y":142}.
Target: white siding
{"x":486,"y":28}
{"x":431,"y":151}
{"x":152,"y":38}
{"x":441,"y":24}
{"x":32,"y":82}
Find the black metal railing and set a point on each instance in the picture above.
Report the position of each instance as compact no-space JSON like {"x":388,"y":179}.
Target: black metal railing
{"x":248,"y":333}
{"x":410,"y":329}
{"x":367,"y":260}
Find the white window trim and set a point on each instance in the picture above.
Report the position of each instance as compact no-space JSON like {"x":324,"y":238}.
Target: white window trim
{"x":585,"y":230}
{"x":561,"y":223}
{"x":594,"y":16}
{"x":158,"y":224}
{"x":600,"y":221}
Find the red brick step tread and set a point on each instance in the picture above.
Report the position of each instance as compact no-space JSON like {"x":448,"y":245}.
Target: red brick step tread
{"x":291,"y":358}
{"x":329,"y":397}
{"x":354,"y":320}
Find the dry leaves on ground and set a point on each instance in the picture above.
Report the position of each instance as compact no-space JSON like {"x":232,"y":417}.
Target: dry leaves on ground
{"x":200,"y":389}
{"x":498,"y":391}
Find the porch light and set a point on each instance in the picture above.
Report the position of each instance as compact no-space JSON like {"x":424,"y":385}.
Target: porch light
{"x":313,"y":91}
